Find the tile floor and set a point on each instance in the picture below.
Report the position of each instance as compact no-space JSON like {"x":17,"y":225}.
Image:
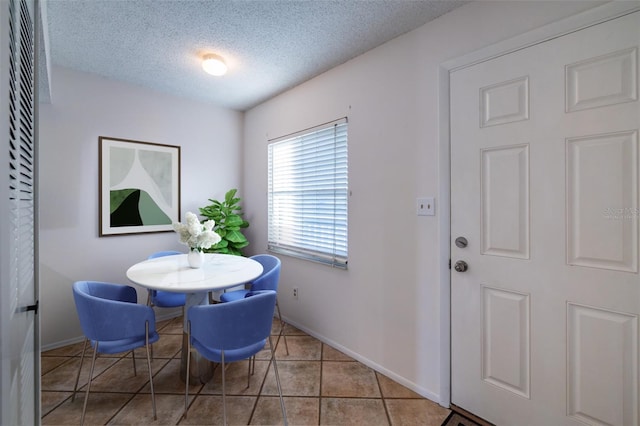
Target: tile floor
{"x":321,"y":386}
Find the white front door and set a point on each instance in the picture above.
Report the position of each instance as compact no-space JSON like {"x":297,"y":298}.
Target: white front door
{"x":544,"y":187}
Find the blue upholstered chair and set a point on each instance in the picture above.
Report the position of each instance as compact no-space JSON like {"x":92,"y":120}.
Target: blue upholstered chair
{"x":233,"y":331}
{"x":268,"y":280}
{"x":113,"y":322}
{"x":166,"y":299}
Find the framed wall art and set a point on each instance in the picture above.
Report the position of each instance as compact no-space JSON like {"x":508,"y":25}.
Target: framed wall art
{"x":139,"y":186}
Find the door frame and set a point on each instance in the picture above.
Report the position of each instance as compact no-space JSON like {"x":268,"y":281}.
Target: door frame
{"x":547,"y":32}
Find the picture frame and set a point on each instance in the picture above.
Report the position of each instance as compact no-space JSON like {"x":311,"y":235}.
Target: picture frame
{"x":139,"y":185}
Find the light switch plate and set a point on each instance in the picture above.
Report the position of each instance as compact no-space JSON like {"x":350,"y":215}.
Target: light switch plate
{"x":425,"y":206}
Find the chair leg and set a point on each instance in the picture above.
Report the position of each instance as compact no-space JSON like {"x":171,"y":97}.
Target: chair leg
{"x":249,"y":373}
{"x":224,"y":391}
{"x":186,"y":389}
{"x":75,"y":387}
{"x":275,"y":370}
{"x":86,"y":397}
{"x":282,"y":328}
{"x":133,"y":356}
{"x":153,"y":396}
{"x":151,"y":305}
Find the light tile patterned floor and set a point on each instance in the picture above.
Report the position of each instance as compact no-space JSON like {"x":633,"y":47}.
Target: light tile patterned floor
{"x":321,"y":386}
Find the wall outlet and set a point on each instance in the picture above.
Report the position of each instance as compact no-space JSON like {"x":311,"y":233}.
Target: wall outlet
{"x":295,"y":292}
{"x":426,"y":206}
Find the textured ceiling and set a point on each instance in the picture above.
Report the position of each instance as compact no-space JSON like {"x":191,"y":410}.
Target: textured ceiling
{"x":269,"y":45}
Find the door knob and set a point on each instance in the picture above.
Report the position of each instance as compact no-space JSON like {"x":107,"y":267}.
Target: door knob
{"x":461,"y":266}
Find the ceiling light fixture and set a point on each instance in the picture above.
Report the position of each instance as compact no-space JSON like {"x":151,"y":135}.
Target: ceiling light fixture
{"x":214,"y":65}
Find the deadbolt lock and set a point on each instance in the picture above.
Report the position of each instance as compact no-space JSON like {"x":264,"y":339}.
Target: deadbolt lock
{"x":461,"y":242}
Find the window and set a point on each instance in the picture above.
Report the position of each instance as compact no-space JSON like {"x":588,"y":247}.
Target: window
{"x":308,"y":194}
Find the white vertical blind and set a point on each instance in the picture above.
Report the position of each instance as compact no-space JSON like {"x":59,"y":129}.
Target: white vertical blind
{"x":308,"y":194}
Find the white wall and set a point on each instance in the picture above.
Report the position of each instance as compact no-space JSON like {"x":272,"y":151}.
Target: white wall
{"x":84,"y":107}
{"x":384,"y":310}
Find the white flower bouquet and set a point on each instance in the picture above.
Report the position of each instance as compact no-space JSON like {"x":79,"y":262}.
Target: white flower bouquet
{"x":198,"y":236}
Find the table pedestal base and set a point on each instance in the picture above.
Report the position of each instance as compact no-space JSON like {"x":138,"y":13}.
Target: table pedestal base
{"x":201,"y":369}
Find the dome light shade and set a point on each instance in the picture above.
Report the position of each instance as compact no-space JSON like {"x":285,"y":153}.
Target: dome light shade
{"x":214,"y":65}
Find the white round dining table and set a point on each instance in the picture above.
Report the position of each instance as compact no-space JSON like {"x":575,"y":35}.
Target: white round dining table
{"x":173,"y":273}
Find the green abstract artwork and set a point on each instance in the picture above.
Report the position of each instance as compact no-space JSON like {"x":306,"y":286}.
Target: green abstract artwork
{"x":140,"y":186}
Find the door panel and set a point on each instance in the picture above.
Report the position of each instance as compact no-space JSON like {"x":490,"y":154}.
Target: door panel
{"x":544,"y":186}
{"x":504,"y":201}
{"x":601,"y":81}
{"x":506,"y":320}
{"x":596,"y":337}
{"x":603,"y":239}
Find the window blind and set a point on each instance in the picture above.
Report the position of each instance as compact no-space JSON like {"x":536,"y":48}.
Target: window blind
{"x":308,"y":194}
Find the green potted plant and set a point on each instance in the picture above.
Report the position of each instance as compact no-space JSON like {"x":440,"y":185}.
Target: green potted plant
{"x":229,"y":224}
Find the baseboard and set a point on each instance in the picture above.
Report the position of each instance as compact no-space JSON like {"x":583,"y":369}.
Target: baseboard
{"x":56,"y":345}
{"x":371,"y":364}
{"x":169,"y":314}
